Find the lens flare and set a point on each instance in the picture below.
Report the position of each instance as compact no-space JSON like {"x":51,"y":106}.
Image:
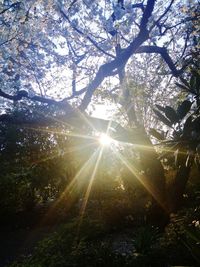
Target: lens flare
{"x":105,"y":140}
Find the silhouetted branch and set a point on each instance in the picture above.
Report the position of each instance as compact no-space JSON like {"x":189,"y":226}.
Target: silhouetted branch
{"x":76,"y":121}
{"x":107,"y":69}
{"x":24,"y":94}
{"x":115,"y":66}
{"x":164,"y":54}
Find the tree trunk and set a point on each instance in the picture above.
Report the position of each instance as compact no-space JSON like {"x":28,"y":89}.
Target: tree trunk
{"x":154,"y":177}
{"x":154,"y":181}
{"x":177,"y":187}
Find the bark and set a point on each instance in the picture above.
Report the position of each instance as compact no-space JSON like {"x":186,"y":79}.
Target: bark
{"x":154,"y":180}
{"x":177,"y":188}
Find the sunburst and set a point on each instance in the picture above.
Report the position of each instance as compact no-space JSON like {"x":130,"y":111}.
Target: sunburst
{"x":105,"y":140}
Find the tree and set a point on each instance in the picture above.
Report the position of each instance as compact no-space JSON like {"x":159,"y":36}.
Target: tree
{"x":80,"y":45}
{"x":182,"y":137}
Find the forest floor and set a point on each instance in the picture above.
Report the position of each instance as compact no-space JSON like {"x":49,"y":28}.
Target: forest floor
{"x":26,"y":230}
{"x":19,"y":242}
{"x":22,"y":233}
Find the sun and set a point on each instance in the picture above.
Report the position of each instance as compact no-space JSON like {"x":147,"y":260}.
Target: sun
{"x":105,"y":140}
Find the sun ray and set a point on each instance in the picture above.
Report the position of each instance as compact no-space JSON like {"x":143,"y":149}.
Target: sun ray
{"x":65,"y":133}
{"x":87,"y":121}
{"x":151,"y":148}
{"x":70,"y":189}
{"x":142,"y":179}
{"x":87,"y":194}
{"x":105,"y":139}
{"x":74,"y":149}
{"x":49,"y":116}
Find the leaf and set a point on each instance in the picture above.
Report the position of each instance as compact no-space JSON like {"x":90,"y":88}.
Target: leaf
{"x":198,"y":150}
{"x":198,"y":84}
{"x":185,"y":82}
{"x":177,"y":157}
{"x":156,"y":134}
{"x":162,"y":118}
{"x":17,"y":77}
{"x":182,"y":87}
{"x":193,"y":82}
{"x":171,"y":114}
{"x":160,"y":108}
{"x":189,"y":159}
{"x":188,"y":86}
{"x":196,"y":124}
{"x":183,"y":109}
{"x":187,"y":126}
{"x":169,"y":150}
{"x":197,"y":162}
{"x":197,"y":76}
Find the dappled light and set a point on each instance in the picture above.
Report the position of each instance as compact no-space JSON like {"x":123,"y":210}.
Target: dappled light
{"x":89,"y":187}
{"x":142,"y":179}
{"x":99,"y":133}
{"x":75,"y":187}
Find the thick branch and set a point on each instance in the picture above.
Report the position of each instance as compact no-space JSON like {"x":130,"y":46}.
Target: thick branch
{"x":76,"y":121}
{"x":147,"y":14}
{"x":164,"y":54}
{"x":14,"y":5}
{"x":23,"y":94}
{"x":108,"y":68}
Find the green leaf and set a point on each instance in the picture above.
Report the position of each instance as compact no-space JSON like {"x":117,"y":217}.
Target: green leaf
{"x":183,"y":109}
{"x":156,"y":134}
{"x":171,"y":114}
{"x":162,"y":118}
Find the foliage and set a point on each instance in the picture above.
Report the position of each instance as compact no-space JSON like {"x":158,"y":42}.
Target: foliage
{"x":91,"y":243}
{"x":182,"y":141}
{"x":36,"y":162}
{"x":182,"y":235}
{"x":145,"y":238}
{"x":62,"y":59}
{"x":69,"y":246}
{"x":90,"y":248}
{"x":61,"y":54}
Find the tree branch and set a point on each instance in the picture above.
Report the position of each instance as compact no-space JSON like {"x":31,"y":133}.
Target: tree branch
{"x":14,"y":5}
{"x":107,"y":69}
{"x":113,"y":16}
{"x":164,"y":54}
{"x":24,"y":94}
{"x":164,"y":13}
{"x":87,"y":37}
{"x":116,"y":131}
